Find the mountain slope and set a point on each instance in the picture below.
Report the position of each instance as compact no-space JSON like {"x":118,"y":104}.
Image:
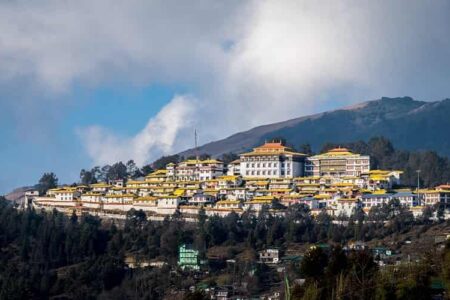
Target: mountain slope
{"x":409,"y":124}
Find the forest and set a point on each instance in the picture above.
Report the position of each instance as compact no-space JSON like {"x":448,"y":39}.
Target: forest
{"x":51,"y":255}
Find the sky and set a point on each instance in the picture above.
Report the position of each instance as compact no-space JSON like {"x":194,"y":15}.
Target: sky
{"x":86,"y":83}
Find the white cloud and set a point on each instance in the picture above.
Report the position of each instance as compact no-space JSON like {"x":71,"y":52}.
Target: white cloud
{"x":247,"y":63}
{"x":158,"y":137}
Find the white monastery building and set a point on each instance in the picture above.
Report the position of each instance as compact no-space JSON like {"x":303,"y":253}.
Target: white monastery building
{"x":194,"y":169}
{"x":338,"y":162}
{"x":272,"y":160}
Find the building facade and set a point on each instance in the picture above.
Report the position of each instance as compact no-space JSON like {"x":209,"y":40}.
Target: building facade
{"x":338,"y":162}
{"x":188,"y":257}
{"x":272,"y":160}
{"x":195,"y":170}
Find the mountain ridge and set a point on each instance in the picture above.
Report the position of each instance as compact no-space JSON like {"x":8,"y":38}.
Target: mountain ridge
{"x":409,"y":123}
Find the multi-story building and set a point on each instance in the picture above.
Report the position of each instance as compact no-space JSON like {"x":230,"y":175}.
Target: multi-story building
{"x":337,"y":162}
{"x":272,"y":160}
{"x":234,"y":168}
{"x":92,"y":200}
{"x":383,"y":179}
{"x":440,"y":194}
{"x":188,"y":257}
{"x":29,"y":197}
{"x":195,"y":170}
{"x":269,"y":256}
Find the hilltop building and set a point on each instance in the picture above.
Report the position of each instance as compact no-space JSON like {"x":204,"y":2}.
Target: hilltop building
{"x":272,"y":176}
{"x":439,"y":195}
{"x":337,"y":162}
{"x":272,"y":160}
{"x":194,"y":170}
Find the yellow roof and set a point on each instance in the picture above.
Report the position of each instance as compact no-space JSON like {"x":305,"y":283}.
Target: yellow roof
{"x":100,"y":185}
{"x":228,"y":202}
{"x":379,"y":192}
{"x":179,"y":192}
{"x":121,"y":196}
{"x":307,"y":178}
{"x":264,"y":198}
{"x":280,"y":190}
{"x":262,"y":201}
{"x":348,"y":199}
{"x":228,"y":177}
{"x":322,"y":196}
{"x":272,"y":148}
{"x":157,"y":173}
{"x":342,"y":184}
{"x":64,"y":190}
{"x":337,"y":152}
{"x":137,"y":182}
{"x":206,"y":161}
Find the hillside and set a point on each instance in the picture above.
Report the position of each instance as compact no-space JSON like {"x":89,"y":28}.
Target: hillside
{"x":18,"y":194}
{"x":409,"y":124}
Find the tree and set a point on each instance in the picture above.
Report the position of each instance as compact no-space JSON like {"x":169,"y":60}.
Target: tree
{"x":196,"y":295}
{"x":163,"y":161}
{"x":132,"y":170}
{"x":47,"y":181}
{"x":314,"y":263}
{"x":147,"y":169}
{"x":306,"y":149}
{"x":117,"y":171}
{"x":228,"y":157}
{"x":87,"y":177}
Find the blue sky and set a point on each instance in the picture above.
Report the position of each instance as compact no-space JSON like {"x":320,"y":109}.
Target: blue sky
{"x":124,"y":110}
{"x":88,"y":83}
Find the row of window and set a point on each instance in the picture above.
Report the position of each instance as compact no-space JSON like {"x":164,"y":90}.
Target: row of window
{"x":267,"y":165}
{"x":265,"y":158}
{"x":266,"y":172}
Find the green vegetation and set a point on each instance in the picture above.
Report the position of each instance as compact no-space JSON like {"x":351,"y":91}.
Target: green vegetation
{"x":47,"y":181}
{"x":52,"y":255}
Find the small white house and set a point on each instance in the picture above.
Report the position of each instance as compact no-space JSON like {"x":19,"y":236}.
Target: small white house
{"x":269,"y":256}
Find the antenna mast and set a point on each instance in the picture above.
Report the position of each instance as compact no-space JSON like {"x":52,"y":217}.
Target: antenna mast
{"x":196,"y":143}
{"x":197,"y":175}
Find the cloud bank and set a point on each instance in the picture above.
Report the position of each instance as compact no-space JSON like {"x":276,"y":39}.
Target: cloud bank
{"x":246,"y":62}
{"x":158,"y":137}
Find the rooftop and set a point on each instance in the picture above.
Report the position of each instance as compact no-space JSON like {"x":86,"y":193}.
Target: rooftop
{"x":272,"y":148}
